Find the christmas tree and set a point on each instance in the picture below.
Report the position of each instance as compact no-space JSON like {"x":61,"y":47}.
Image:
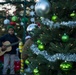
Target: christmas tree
{"x":54,"y":49}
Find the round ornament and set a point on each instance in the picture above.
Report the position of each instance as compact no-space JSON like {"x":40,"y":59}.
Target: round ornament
{"x":24,"y":20}
{"x":35,"y":70}
{"x":54,"y":17}
{"x":13,"y":23}
{"x":27,"y":62}
{"x":14,"y":18}
{"x":17,"y":68}
{"x":17,"y":63}
{"x":39,"y":42}
{"x":72,"y":14}
{"x":6,"y":21}
{"x":41,"y":47}
{"x":20,"y":47}
{"x":22,"y":60}
{"x":42,"y":7}
{"x":65,"y":66}
{"x":20,"y":43}
{"x":65,"y":37}
{"x":31,"y":27}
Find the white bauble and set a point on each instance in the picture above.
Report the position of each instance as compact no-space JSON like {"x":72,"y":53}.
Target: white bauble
{"x":42,"y":8}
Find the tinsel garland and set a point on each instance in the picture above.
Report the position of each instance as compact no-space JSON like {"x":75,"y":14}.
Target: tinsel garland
{"x":47,"y":22}
{"x":53,"y":58}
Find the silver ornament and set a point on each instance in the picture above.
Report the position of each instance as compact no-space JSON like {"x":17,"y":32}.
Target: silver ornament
{"x":42,"y":8}
{"x":31,"y":27}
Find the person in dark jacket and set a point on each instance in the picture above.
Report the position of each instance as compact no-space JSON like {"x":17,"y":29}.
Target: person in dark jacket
{"x":9,"y":57}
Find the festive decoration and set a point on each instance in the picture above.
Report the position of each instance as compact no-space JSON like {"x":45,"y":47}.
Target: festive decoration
{"x":13,"y":23}
{"x":51,"y":24}
{"x":39,"y":42}
{"x":6,"y":21}
{"x":36,"y":70}
{"x":65,"y":38}
{"x":53,"y":58}
{"x":72,"y":14}
{"x":32,"y":19}
{"x":41,"y":47}
{"x":65,"y":66}
{"x":32,"y":13}
{"x":22,"y":66}
{"x":20,"y":46}
{"x":42,"y":7}
{"x":54,"y":18}
{"x":24,"y":20}
{"x":17,"y":65}
{"x":17,"y":68}
{"x":27,"y":62}
{"x":14,"y":18}
{"x":31,"y":27}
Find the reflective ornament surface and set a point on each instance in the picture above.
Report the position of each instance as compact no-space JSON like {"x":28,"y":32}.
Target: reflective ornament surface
{"x":31,"y":27}
{"x":42,"y":7}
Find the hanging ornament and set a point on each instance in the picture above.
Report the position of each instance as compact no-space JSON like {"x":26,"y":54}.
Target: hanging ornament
{"x":54,"y":17}
{"x":22,"y":66}
{"x":36,"y":70}
{"x":42,"y":7}
{"x":13,"y":23}
{"x":24,"y":20}
{"x":14,"y":18}
{"x":41,"y":47}
{"x":31,"y":27}
{"x":6,"y":21}
{"x":72,"y":14}
{"x":65,"y":37}
{"x":65,"y":66}
{"x":27,"y":62}
{"x":39,"y":42}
